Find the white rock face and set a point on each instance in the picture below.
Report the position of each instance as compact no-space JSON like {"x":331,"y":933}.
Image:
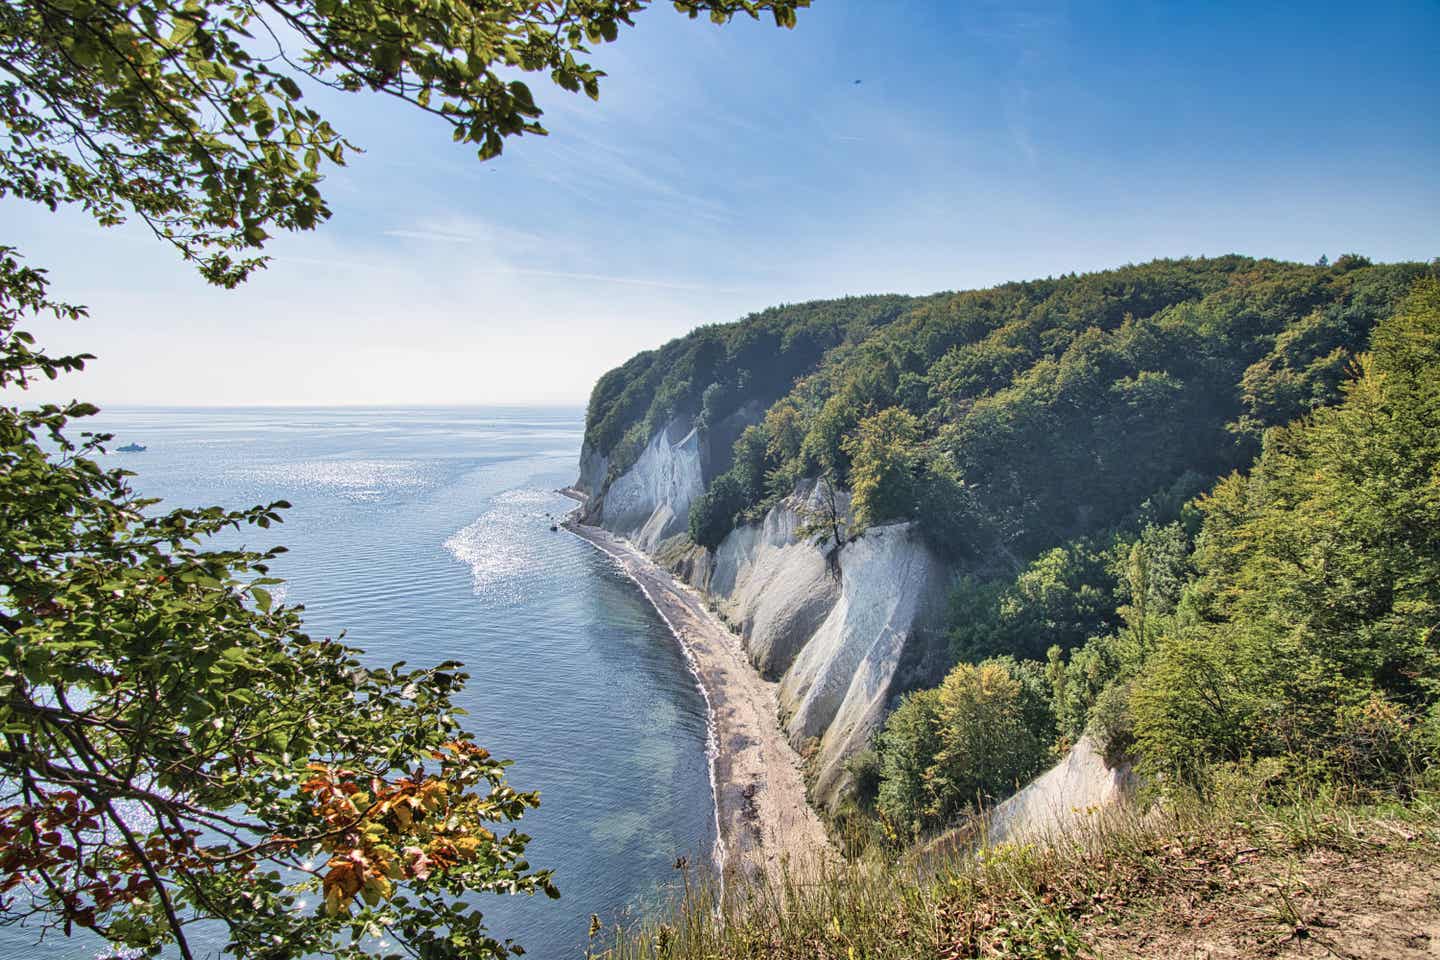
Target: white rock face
{"x":840,"y":685}
{"x":1064,"y":798}
{"x":774,"y":588}
{"x":836,"y":640}
{"x":651,"y":501}
{"x":593,"y":468}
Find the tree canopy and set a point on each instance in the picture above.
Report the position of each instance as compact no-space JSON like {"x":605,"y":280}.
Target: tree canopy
{"x":1290,"y":617}
{"x":1313,"y":627}
{"x":946,"y":751}
{"x":1026,"y":415}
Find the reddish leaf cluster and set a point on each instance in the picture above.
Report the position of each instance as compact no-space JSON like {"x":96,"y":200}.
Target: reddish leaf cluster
{"x":380,"y":832}
{"x":59,"y":847}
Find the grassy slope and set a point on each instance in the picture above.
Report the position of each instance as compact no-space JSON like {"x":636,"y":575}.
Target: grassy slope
{"x":1234,"y":878}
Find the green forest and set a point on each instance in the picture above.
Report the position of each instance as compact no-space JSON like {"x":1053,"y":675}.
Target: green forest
{"x":1192,"y":506}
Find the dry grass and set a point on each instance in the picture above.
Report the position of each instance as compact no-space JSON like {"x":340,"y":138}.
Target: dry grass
{"x":1235,"y":877}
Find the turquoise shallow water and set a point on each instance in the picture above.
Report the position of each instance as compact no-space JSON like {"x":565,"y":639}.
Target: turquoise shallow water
{"x":425,"y":535}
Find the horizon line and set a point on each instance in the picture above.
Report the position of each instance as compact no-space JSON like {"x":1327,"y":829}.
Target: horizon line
{"x":339,"y":406}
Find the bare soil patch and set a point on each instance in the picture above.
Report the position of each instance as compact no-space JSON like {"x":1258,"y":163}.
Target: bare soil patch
{"x":1380,"y":901}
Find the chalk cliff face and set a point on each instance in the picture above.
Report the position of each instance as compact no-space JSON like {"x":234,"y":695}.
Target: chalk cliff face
{"x":843,"y":635}
{"x":593,"y":468}
{"x":649,"y":502}
{"x":843,"y":632}
{"x":1080,"y":788}
{"x":1081,"y":791}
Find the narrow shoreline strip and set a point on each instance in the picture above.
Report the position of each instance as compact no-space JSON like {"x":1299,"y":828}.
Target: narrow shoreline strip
{"x":764,"y":823}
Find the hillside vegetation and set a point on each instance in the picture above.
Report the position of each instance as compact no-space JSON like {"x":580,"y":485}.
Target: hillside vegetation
{"x":1012,"y":418}
{"x":1290,"y":617}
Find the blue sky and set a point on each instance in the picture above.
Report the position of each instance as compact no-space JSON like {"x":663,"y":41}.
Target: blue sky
{"x":728,"y":169}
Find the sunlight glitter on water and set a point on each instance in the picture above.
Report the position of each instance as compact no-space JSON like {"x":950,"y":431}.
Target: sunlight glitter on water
{"x":499,"y":546}
{"x":360,"y":481}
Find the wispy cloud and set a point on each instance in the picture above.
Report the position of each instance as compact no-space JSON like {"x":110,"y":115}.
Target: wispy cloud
{"x":626,"y":281}
{"x":333,"y":263}
{"x":496,"y":240}
{"x":1018,"y":121}
{"x":1030,"y":36}
{"x":500,"y":250}
{"x":431,"y":236}
{"x":590,"y":166}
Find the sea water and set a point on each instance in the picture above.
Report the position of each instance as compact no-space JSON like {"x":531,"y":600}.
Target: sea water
{"x":424,"y":535}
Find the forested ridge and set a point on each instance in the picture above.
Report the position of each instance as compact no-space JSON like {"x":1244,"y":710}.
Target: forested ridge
{"x":710,"y":373}
{"x":1057,"y":405}
{"x":1192,"y":507}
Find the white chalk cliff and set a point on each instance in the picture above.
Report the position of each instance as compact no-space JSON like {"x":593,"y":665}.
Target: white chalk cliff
{"x":649,"y":502}
{"x":1079,"y":789}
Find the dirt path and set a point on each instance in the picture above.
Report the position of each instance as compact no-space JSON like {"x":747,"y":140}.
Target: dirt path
{"x":1326,"y":905}
{"x":764,"y":819}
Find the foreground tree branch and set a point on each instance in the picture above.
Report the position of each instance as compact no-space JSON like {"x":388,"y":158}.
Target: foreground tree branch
{"x":190,"y":115}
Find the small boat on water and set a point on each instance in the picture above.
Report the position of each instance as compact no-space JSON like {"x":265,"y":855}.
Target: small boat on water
{"x":132,"y":448}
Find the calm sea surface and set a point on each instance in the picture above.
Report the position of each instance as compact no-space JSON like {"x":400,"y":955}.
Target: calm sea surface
{"x":425,"y":535}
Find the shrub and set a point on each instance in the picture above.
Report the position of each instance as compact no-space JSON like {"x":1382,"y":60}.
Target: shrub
{"x":906,"y":748}
{"x":885,"y":456}
{"x":968,"y":743}
{"x":1111,"y":723}
{"x":1311,"y":629}
{"x":712,"y":515}
{"x":987,"y":746}
{"x":1062,"y":597}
